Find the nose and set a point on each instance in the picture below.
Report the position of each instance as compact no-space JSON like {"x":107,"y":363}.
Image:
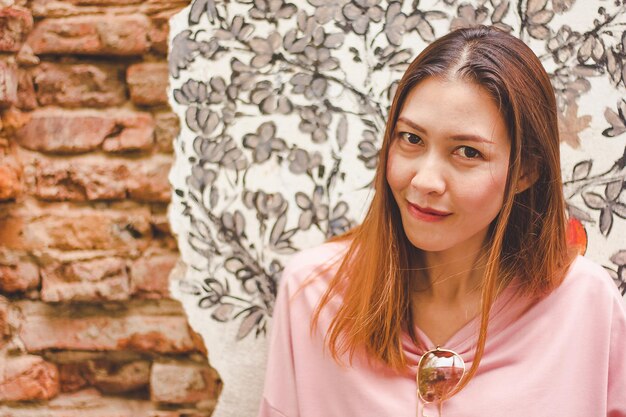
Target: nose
{"x":430,"y":175}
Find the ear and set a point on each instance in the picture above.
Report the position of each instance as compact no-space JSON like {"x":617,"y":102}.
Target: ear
{"x":529,"y":176}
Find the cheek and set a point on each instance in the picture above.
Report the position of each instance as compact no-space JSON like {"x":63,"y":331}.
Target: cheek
{"x":398,"y":176}
{"x":486,"y":198}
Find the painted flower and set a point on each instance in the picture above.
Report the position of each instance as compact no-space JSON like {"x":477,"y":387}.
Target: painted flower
{"x":264,"y":142}
{"x":243,"y":77}
{"x":223,"y":152}
{"x":359,"y":13}
{"x":313,"y":210}
{"x":266,"y":204}
{"x":301,"y":161}
{"x":271,"y":10}
{"x":468,"y":16}
{"x":312,"y":86}
{"x":315,"y":120}
{"x":214,"y":292}
{"x":191,"y":92}
{"x":220,"y":91}
{"x":368,"y":151}
{"x":201,"y":120}
{"x":264,"y":49}
{"x":338,"y":223}
{"x":562,"y":44}
{"x":201,"y":178}
{"x":328,"y":10}
{"x":238,"y":29}
{"x":394,"y":23}
{"x":270,"y":99}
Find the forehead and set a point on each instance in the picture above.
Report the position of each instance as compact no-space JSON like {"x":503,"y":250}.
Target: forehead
{"x":453,"y":106}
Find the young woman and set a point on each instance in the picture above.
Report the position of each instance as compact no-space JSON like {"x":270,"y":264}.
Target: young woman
{"x":458,"y":295}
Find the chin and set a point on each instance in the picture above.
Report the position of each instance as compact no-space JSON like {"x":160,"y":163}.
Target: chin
{"x":427,"y":245}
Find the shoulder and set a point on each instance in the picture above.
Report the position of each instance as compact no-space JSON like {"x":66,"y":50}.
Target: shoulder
{"x":314,"y":261}
{"x":588,"y":275}
{"x":588,"y":282}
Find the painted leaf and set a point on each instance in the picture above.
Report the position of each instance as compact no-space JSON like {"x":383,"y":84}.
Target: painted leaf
{"x":249,"y":323}
{"x":342,"y":132}
{"x":542,"y":17}
{"x":578,"y":213}
{"x":613,"y":189}
{"x":619,"y":209}
{"x":606,"y":221}
{"x":561,"y":6}
{"x":619,"y":258}
{"x":223,"y":312}
{"x":534,"y":6}
{"x":618,"y":125}
{"x":500,"y":11}
{"x":278,"y":229}
{"x":199,"y":7}
{"x":594,"y":201}
{"x":189,"y":287}
{"x":183,"y":52}
{"x":541,"y":32}
{"x":425,"y":30}
{"x":581,"y":170}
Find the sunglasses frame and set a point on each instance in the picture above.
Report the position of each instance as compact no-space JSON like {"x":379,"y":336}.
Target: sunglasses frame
{"x":453,"y":390}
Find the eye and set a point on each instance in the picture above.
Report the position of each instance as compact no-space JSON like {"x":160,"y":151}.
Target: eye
{"x":468,"y":152}
{"x":410,"y":138}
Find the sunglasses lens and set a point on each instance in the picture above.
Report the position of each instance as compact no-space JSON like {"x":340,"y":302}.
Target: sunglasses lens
{"x":438,"y":374}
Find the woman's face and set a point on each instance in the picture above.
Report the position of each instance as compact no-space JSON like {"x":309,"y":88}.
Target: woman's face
{"x":447,"y":166}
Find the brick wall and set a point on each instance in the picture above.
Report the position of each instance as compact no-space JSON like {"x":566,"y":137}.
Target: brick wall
{"x":87,"y":326}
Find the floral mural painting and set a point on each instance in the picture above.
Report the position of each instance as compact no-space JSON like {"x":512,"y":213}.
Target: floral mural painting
{"x":283,"y":105}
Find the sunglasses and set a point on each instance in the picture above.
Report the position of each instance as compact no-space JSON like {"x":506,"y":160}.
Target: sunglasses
{"x":439,"y":373}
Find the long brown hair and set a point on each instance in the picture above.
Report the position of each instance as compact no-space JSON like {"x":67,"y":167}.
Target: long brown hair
{"x":527,"y":239}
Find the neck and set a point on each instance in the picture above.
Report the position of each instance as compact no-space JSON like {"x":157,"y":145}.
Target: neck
{"x":451,"y":278}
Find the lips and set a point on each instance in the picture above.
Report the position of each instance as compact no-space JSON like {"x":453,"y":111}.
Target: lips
{"x":427,"y":213}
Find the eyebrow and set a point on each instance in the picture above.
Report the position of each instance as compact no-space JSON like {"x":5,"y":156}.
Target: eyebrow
{"x":464,"y":137}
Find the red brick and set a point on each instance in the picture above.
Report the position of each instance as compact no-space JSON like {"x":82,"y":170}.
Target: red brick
{"x":64,"y":8}
{"x":199,"y":342}
{"x":26,"y":57}
{"x":148,"y":82}
{"x":160,"y":222}
{"x":85,"y":403}
{"x":15,"y":24}
{"x":104,"y":34}
{"x":93,"y":178}
{"x":136,"y":132}
{"x":8,"y":84}
{"x":158,"y":35}
{"x":11,"y":227}
{"x":18,"y":277}
{"x":91,"y":280}
{"x":149,"y":181}
{"x":126,"y":231}
{"x":65,"y":131}
{"x":180,"y":383}
{"x":150,"y":276}
{"x":27,"y":378}
{"x":154,"y":329}
{"x":108,"y":377}
{"x":13,"y":120}
{"x":10,"y":183}
{"x":79,"y":85}
{"x":5,"y":321}
{"x":79,"y":131}
{"x":72,"y":377}
{"x":26,"y":98}
{"x":166,"y":130}
{"x":79,"y":179}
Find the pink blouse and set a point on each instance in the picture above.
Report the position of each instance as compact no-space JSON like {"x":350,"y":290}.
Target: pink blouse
{"x":564,"y":356}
